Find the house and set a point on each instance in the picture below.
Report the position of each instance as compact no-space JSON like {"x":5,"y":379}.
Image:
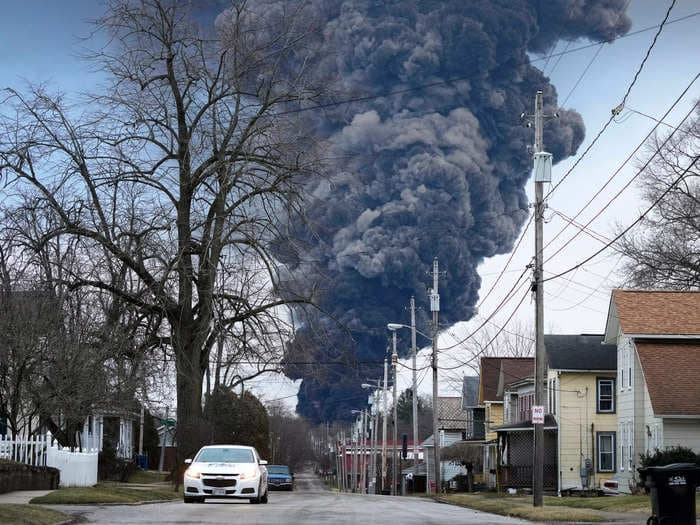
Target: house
{"x":452,"y":424}
{"x":657,"y":335}
{"x":581,"y":377}
{"x":494,"y":374}
{"x":515,"y":439}
{"x":474,"y":413}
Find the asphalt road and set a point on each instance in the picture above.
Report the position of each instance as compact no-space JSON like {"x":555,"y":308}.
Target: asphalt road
{"x":310,"y":503}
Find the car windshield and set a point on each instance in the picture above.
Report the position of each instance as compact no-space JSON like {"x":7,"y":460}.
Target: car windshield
{"x":225,"y":455}
{"x":278,"y":469}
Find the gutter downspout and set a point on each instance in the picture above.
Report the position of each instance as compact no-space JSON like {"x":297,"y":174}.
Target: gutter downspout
{"x":557,"y":390}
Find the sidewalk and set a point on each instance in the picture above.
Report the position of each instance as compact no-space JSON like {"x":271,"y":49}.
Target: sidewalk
{"x":22,"y":497}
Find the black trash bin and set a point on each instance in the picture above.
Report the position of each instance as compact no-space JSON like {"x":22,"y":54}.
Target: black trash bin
{"x":672,"y":493}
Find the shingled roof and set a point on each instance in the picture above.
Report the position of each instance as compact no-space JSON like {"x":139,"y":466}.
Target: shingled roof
{"x":496,"y":372}
{"x":579,"y":352}
{"x":672,"y":372}
{"x":654,"y":312}
{"x":450,"y":414}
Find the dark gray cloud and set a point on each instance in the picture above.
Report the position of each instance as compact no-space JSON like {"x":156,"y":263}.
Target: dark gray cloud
{"x":430,"y":172}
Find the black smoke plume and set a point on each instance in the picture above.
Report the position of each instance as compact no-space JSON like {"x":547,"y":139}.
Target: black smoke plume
{"x":419,"y":172}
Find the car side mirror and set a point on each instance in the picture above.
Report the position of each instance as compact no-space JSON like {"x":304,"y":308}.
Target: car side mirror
{"x":188,"y":461}
{"x":263,"y":462}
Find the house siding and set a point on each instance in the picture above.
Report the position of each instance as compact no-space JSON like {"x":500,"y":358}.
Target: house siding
{"x":684,"y":432}
{"x":448,"y":469}
{"x":627,"y":397}
{"x":494,"y":418}
{"x":579,"y":424}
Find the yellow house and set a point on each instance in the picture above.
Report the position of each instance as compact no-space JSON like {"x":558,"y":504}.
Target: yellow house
{"x":581,"y":397}
{"x":494,"y":374}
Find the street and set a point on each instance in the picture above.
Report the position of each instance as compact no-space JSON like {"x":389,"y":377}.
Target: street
{"x":310,"y":502}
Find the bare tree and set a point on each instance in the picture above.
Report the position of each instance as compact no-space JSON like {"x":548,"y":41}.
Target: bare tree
{"x":290,"y":442}
{"x":67,"y":353}
{"x":492,"y":340}
{"x":663,"y":251}
{"x":181,"y":161}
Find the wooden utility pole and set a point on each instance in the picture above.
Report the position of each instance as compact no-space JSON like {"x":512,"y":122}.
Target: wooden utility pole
{"x":435,"y":308}
{"x":543,"y":170}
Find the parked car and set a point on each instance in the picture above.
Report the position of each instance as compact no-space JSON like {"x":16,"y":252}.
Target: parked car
{"x":280,"y":477}
{"x":226,"y":471}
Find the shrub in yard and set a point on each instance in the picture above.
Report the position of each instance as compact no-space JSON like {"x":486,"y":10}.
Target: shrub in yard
{"x":112,"y":468}
{"x":663,"y":457}
{"x":669,"y":455}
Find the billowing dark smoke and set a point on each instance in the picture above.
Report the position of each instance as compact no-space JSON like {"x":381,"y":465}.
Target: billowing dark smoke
{"x":425,"y":172}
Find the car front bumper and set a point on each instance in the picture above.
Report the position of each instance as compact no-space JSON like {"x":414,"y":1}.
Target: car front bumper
{"x":279,"y":484}
{"x":221,"y":487}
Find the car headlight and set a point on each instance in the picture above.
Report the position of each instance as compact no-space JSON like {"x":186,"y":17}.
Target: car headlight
{"x":192,"y":472}
{"x":249,"y":473}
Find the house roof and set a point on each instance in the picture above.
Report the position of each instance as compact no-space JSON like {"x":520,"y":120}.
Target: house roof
{"x":492,"y":380}
{"x":470,"y":391}
{"x":655,"y":312}
{"x":451,"y":416}
{"x":514,"y":369}
{"x":672,"y":372}
{"x":579,"y":352}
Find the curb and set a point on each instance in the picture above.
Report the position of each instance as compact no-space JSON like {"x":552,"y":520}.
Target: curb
{"x":111,"y":504}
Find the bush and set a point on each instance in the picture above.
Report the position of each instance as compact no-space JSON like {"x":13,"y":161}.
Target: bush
{"x":663,"y":457}
{"x":669,"y":455}
{"x":112,"y":468}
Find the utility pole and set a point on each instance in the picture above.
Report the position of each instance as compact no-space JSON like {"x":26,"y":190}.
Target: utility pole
{"x":435,"y":308}
{"x":375,"y":435}
{"x":385,"y":404}
{"x":363,"y":449}
{"x":414,"y":351}
{"x":394,"y":459}
{"x":543,"y":170}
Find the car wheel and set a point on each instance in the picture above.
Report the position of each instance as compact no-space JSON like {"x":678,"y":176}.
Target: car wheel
{"x":193,"y":499}
{"x":263,"y":499}
{"x":188,"y":499}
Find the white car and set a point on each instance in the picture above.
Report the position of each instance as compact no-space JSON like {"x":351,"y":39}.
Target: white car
{"x":226,"y":471}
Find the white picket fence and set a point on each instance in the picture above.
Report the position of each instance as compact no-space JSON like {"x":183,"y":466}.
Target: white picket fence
{"x":30,"y":451}
{"x":78,"y":469}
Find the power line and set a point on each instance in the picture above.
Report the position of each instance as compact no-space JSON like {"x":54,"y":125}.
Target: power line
{"x":629,"y":182}
{"x":637,"y":221}
{"x":368,"y":97}
{"x":624,"y":99}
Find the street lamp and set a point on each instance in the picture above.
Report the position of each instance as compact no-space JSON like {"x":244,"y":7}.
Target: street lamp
{"x":374,"y":423}
{"x":394,"y":327}
{"x":394,"y":362}
{"x":362,"y":450}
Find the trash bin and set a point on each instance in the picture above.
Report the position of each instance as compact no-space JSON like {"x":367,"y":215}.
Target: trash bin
{"x":672,"y":493}
{"x":142,"y":461}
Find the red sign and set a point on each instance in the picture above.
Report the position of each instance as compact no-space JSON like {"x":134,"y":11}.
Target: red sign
{"x":537,"y":415}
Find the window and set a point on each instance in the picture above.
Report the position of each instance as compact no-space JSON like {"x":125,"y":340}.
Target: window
{"x":623,"y":436}
{"x":606,"y":451}
{"x":605,"y":395}
{"x":622,"y":368}
{"x":630,"y":358}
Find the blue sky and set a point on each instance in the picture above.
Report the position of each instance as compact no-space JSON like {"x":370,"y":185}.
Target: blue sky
{"x":39,"y":41}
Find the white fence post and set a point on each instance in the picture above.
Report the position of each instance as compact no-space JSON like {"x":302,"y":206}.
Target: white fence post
{"x":78,"y":469}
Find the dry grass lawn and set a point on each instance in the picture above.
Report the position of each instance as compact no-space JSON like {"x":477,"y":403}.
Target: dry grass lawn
{"x":105,"y":494}
{"x":521,"y":507}
{"x":29,"y":515}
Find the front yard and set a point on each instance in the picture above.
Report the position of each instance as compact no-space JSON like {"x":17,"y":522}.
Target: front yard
{"x":565,"y":509}
{"x":107,"y":493}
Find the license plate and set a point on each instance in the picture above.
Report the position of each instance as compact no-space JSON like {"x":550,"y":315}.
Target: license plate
{"x":218,"y":492}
